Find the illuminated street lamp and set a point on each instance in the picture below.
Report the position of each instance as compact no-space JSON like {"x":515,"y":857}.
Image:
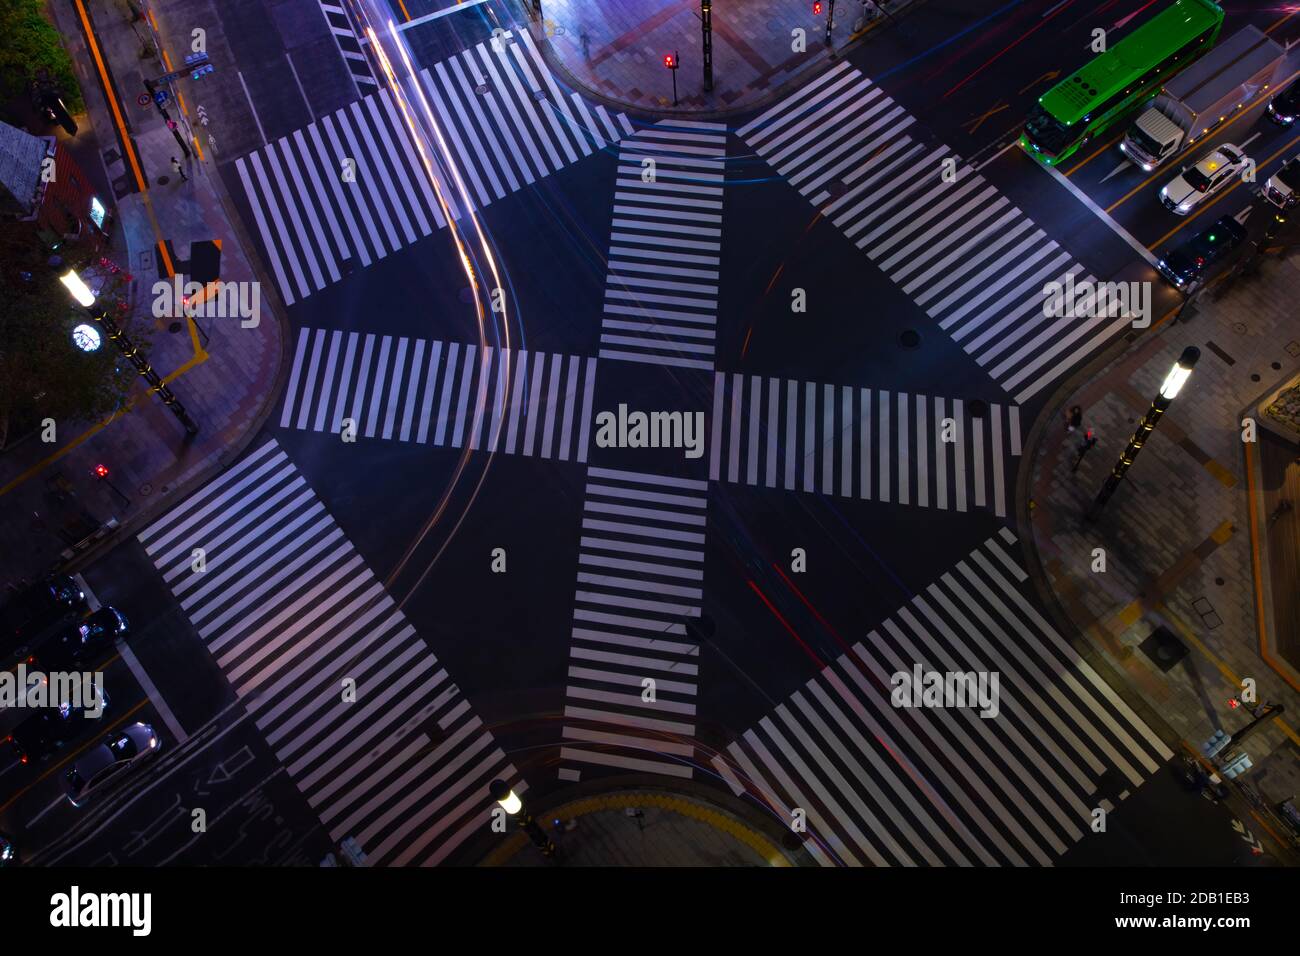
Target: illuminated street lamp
{"x":514,"y":807}
{"x":84,"y":297}
{"x":1169,"y":390}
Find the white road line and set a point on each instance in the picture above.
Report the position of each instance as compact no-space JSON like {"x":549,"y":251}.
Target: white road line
{"x":152,"y":692}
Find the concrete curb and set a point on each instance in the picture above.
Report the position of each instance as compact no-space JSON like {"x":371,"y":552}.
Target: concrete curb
{"x":811,"y":70}
{"x":717,"y":808}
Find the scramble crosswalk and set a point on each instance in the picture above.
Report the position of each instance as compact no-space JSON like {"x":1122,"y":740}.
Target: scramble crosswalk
{"x":888,"y":784}
{"x":661,"y":289}
{"x":630,"y":700}
{"x":448,"y":394}
{"x":345,"y":37}
{"x":918,"y":450}
{"x":962,"y":251}
{"x":290,"y":612}
{"x":353,"y":186}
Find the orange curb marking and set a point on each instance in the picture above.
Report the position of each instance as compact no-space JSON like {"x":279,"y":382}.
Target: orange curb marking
{"x":1257,"y":568}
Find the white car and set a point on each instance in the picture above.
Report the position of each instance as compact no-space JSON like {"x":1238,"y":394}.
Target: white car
{"x":1196,"y":184}
{"x":1283,"y":187}
{"x":106,"y":763}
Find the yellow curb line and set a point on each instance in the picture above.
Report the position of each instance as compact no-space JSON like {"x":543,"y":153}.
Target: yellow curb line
{"x":680,"y":805}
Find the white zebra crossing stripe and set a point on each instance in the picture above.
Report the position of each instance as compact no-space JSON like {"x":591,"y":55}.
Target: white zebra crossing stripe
{"x":661,"y":289}
{"x":911,"y":449}
{"x":962,"y":252}
{"x":463,"y":386}
{"x":345,"y":37}
{"x":289,"y":610}
{"x":1017,"y":788}
{"x":520,"y":128}
{"x":633,"y":596}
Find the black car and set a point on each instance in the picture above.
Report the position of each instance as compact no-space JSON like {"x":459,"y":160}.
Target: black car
{"x":51,"y":729}
{"x":1285,"y":107}
{"x":28,"y":616}
{"x":1193,"y":260}
{"x":73,"y":647}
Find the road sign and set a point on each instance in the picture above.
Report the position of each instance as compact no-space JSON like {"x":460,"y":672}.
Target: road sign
{"x":142,"y":99}
{"x":161,"y":96}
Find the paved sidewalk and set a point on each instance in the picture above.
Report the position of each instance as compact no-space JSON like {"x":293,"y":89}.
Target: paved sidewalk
{"x":643,"y":828}
{"x":1177,"y":534}
{"x":223,"y":373}
{"x":616,"y":50}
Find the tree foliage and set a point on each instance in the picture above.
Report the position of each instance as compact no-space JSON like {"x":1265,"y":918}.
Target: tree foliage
{"x":42,"y":373}
{"x":29,"y":43}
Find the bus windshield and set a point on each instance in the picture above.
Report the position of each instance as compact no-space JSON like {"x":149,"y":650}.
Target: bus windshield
{"x":1045,"y":131}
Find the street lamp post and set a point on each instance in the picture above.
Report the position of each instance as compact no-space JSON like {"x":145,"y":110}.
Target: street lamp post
{"x":514,"y":807}
{"x":84,"y":297}
{"x":1173,"y":383}
{"x":830,"y":25}
{"x":706,"y":26}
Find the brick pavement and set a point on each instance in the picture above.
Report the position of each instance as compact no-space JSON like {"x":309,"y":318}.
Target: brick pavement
{"x":616,"y":50}
{"x":225,"y":375}
{"x":1177,"y":533}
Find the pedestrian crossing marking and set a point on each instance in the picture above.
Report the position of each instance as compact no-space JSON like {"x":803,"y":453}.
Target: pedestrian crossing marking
{"x":891,"y":786}
{"x":640,"y":577}
{"x":862,"y":442}
{"x":345,"y":38}
{"x":961,"y":251}
{"x":466,"y":395}
{"x":501,"y":117}
{"x":288,"y":609}
{"x":661,"y":288}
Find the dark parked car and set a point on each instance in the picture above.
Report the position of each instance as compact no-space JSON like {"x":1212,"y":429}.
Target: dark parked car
{"x":106,"y":763}
{"x":8,"y":851}
{"x":74,"y":647}
{"x":28,"y":616}
{"x":51,"y":729}
{"x":1193,"y":260}
{"x":1285,"y":106}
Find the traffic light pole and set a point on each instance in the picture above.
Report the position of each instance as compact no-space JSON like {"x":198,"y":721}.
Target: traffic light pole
{"x":830,"y":24}
{"x":152,"y":87}
{"x":128,"y":349}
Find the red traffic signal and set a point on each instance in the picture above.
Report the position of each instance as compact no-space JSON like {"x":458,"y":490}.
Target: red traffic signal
{"x":817,"y":8}
{"x":101,"y":471}
{"x":670,"y":61}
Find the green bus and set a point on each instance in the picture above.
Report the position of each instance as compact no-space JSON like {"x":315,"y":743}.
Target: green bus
{"x":1105,"y":90}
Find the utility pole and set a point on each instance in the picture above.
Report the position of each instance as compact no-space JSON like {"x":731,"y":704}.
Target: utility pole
{"x":706,"y":26}
{"x":830,"y":25}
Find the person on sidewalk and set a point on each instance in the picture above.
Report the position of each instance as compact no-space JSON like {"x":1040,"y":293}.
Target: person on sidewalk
{"x":176,"y":165}
{"x":1073,"y":418}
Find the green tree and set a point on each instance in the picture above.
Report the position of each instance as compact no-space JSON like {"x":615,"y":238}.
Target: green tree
{"x":42,"y":373}
{"x":29,"y":43}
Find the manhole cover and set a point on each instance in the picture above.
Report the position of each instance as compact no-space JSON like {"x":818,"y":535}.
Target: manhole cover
{"x":1163,"y":649}
{"x":1293,"y":349}
{"x":174,"y":327}
{"x":909,"y":338}
{"x":164,"y":180}
{"x":146,"y":489}
{"x":1219,"y":581}
{"x":482,"y":89}
{"x":1239,"y":328}
{"x":466,"y":295}
{"x":836,"y":189}
{"x":1254,"y":377}
{"x":1276,"y":366}
{"x":978,"y":408}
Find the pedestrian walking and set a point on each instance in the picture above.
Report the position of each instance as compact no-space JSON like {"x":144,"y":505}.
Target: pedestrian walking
{"x":1073,"y":418}
{"x":180,"y":171}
